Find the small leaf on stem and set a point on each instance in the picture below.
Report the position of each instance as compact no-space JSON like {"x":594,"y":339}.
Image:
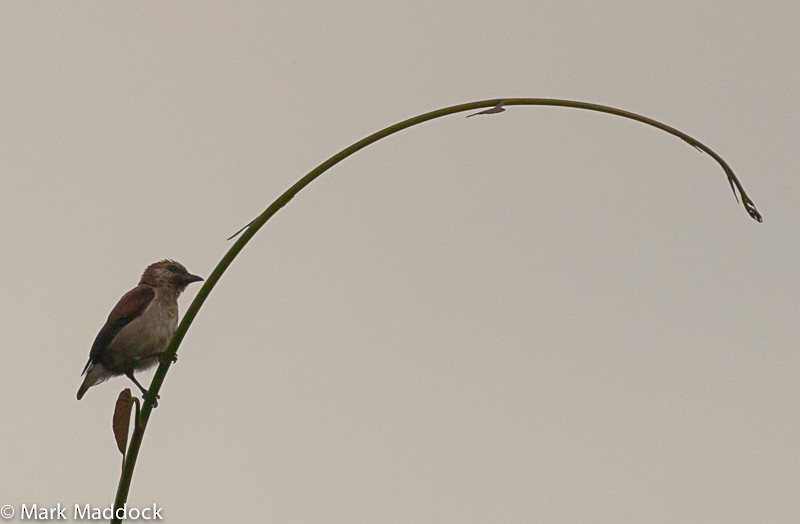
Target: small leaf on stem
{"x":492,"y":110}
{"x":121,"y":422}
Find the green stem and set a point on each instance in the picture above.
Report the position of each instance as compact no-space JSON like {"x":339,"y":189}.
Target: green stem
{"x":252,"y":228}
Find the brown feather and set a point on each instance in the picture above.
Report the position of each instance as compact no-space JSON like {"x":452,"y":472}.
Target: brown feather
{"x":131,"y":305}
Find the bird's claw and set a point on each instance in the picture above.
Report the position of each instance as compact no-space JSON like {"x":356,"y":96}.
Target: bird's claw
{"x":163,"y":358}
{"x":153,"y":399}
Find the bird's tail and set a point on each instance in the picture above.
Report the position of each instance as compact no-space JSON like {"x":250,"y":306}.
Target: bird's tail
{"x":83,"y":389}
{"x":95,"y":374}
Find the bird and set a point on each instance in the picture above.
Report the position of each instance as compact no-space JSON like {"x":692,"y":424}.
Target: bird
{"x":139,"y":327}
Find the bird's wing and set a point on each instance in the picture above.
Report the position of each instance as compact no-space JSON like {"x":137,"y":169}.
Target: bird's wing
{"x":131,"y":305}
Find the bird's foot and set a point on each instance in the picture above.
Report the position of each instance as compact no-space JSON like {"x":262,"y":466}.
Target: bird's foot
{"x":163,"y":358}
{"x":147,"y":397}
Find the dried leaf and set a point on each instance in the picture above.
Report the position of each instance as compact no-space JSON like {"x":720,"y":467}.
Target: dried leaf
{"x":692,"y":142}
{"x":121,"y":422}
{"x":492,"y":110}
{"x":243,"y":228}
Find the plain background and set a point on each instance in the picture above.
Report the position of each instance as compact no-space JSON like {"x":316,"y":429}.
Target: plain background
{"x":546,"y":315}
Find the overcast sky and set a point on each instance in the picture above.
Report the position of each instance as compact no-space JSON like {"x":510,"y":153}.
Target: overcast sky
{"x":545,"y":315}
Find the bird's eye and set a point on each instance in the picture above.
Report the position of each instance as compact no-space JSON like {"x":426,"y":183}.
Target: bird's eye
{"x":174,"y":268}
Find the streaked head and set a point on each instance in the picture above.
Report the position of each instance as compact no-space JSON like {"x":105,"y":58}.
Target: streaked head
{"x":168,"y":273}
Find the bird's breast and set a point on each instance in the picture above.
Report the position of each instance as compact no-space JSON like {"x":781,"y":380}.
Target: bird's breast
{"x":145,"y":336}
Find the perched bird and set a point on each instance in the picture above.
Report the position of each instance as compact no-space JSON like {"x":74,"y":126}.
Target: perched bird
{"x":139,"y":327}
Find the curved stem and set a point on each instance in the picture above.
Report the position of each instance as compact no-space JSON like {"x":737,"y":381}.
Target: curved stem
{"x":249,"y":231}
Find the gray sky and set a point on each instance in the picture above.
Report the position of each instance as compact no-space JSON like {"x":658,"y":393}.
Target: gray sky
{"x":546,"y":315}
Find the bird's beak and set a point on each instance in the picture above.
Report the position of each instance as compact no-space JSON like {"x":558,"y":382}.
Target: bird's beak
{"x":188,"y":279}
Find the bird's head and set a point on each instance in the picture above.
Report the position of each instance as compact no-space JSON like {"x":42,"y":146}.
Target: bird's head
{"x":168,"y":274}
